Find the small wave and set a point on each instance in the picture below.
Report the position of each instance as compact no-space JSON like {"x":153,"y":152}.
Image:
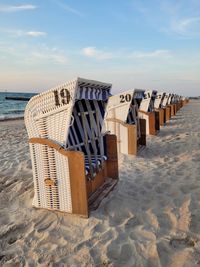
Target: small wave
{"x":14,"y":111}
{"x":11,"y":117}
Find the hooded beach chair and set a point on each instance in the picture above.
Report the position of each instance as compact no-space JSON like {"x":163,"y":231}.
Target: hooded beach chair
{"x":122,"y":120}
{"x":166,"y":107}
{"x":158,"y":105}
{"x":147,"y":112}
{"x":74,"y":164}
{"x":173,"y":105}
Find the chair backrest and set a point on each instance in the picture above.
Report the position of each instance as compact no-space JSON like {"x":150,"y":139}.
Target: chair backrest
{"x":123,"y":106}
{"x":165,"y":100}
{"x":159,"y":99}
{"x":169,"y":99}
{"x":55,"y":114}
{"x":147,"y":103}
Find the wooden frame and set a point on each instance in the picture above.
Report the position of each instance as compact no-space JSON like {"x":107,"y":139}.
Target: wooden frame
{"x":82,"y":190}
{"x":168,"y":113}
{"x":162,"y":119}
{"x":152,"y":121}
{"x":134,"y":143}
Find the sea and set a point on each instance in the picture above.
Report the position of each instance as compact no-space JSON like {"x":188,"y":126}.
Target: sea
{"x":13,"y":109}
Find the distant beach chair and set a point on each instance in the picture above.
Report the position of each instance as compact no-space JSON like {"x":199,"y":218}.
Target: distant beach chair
{"x":74,"y":164}
{"x":147,"y":112}
{"x":158,"y":105}
{"x":122,"y":120}
{"x":166,"y":106}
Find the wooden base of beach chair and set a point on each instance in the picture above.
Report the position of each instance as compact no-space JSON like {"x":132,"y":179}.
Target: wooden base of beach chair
{"x":102,"y":191}
{"x":152,"y":121}
{"x":168,"y":113}
{"x":161,"y":116}
{"x":127,"y":136}
{"x":80,"y":188}
{"x":173,"y":110}
{"x":142,"y":139}
{"x":157,"y":121}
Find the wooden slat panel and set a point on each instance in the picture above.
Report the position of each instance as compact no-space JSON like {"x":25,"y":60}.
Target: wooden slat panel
{"x":152,"y":123}
{"x":157,"y":120}
{"x":112,"y":161}
{"x":132,"y":139}
{"x":77,"y":175}
{"x":142,"y":139}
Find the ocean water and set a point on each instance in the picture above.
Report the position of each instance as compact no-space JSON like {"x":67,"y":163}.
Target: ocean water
{"x":11,"y":109}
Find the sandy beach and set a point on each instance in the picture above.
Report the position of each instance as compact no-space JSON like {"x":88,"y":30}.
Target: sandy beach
{"x":151,"y":218}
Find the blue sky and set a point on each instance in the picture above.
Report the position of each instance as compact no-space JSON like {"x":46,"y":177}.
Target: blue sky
{"x":131,"y":44}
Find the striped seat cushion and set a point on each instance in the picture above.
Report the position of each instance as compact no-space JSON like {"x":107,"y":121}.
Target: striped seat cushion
{"x":99,"y":162}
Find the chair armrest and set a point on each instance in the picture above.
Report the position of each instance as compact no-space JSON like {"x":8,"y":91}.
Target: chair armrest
{"x":56,"y":146}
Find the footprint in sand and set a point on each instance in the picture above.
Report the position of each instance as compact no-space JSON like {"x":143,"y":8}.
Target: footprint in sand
{"x":180,"y":243}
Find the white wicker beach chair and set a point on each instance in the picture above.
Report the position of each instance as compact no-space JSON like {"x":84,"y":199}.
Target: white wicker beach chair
{"x":147,"y":112}
{"x":74,"y":164}
{"x":122,"y":120}
{"x":166,"y":106}
{"x":158,"y":105}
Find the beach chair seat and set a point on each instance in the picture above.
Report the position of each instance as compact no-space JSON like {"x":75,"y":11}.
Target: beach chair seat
{"x":71,"y":157}
{"x":122,"y":120}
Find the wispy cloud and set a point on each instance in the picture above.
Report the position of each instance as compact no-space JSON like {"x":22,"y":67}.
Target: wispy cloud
{"x":33,"y":55}
{"x":35,"y":33}
{"x":68,"y":8}
{"x":187,"y":26}
{"x":92,"y":52}
{"x":16,"y":8}
{"x":153,"y":54}
{"x":49,"y":55}
{"x":98,"y":54}
{"x":20,"y":33}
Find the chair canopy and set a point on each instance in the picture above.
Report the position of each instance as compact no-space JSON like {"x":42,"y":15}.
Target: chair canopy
{"x":123,"y":106}
{"x":53,"y":114}
{"x":147,"y":103}
{"x":165,"y":100}
{"x":159,"y":100}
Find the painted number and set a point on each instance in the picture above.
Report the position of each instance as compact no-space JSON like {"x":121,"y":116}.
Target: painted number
{"x":62,"y":97}
{"x":125,"y":98}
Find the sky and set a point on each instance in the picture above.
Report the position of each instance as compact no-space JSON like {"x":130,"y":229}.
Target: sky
{"x":147,"y":44}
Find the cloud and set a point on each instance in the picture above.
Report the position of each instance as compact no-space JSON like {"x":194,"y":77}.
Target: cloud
{"x":92,"y":52}
{"x":153,"y":54}
{"x":35,"y":33}
{"x":40,"y":54}
{"x":69,"y":8}
{"x":186,"y":26}
{"x":20,"y":33}
{"x":16,"y":8}
{"x":49,"y":54}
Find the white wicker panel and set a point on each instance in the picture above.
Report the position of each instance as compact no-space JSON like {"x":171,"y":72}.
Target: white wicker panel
{"x":157,"y":102}
{"x":164,"y":103}
{"x":48,"y":163}
{"x":62,"y":169}
{"x":144,"y":105}
{"x":123,"y":139}
{"x":38,"y":176}
{"x":118,"y":106}
{"x":43,"y":106}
